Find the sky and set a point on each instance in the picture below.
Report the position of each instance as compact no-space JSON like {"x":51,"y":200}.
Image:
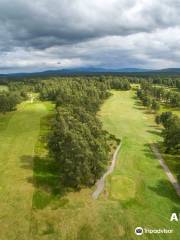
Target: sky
{"x":38,"y":35}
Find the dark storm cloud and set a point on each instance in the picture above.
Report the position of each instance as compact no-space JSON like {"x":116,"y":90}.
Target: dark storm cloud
{"x":42,"y":24}
{"x":40,"y":33}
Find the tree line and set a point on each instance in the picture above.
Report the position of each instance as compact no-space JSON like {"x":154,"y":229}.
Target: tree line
{"x":77,"y":140}
{"x":171,"y":132}
{"x":150,"y":94}
{"x":9,"y":100}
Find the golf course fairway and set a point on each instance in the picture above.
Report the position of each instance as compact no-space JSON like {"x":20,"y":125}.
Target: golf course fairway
{"x":19,"y":132}
{"x":139,"y":185}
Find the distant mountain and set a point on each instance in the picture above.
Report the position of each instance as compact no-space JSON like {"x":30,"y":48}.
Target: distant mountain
{"x":91,"y":70}
{"x":169,"y":70}
{"x":98,"y":70}
{"x":82,"y":70}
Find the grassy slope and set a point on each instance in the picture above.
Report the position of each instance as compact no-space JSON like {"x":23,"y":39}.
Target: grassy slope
{"x":18,"y":134}
{"x":138,"y":193}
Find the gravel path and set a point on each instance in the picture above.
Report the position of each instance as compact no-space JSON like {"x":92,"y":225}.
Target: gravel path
{"x":101,"y":182}
{"x":172,"y":179}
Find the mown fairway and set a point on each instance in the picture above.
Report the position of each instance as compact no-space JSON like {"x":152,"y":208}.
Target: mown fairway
{"x":139,"y":185}
{"x":19,"y":131}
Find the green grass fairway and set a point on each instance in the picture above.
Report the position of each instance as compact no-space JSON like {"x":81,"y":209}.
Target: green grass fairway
{"x":19,"y":132}
{"x":146,"y":198}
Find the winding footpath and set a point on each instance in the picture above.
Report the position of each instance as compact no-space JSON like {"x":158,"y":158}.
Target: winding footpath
{"x":170,"y":176}
{"x":101,"y":182}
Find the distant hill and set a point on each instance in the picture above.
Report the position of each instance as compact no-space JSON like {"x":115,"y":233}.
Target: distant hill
{"x":92,"y":70}
{"x":169,"y":70}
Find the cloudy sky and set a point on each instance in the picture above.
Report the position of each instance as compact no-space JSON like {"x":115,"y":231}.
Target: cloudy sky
{"x":42,"y":34}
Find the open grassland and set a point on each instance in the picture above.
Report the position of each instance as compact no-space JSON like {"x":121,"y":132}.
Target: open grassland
{"x":19,"y":132}
{"x":138,"y":193}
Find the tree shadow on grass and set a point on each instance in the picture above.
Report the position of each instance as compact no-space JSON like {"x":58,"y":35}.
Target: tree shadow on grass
{"x":46,"y":180}
{"x":165,"y":189}
{"x":135,"y":98}
{"x":155,"y":126}
{"x":46,"y":174}
{"x":27,"y":162}
{"x":139,"y":108}
{"x":148,"y":112}
{"x":137,"y":101}
{"x":148,"y":151}
{"x":173,"y":161}
{"x":155,"y":132}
